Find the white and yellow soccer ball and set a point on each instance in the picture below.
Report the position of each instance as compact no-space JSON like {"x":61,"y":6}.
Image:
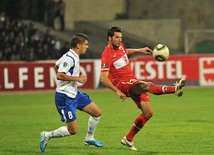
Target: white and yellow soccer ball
{"x":161,"y":52}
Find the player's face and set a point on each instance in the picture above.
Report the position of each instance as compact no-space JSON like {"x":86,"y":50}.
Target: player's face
{"x":84,"y":47}
{"x":116,"y":40}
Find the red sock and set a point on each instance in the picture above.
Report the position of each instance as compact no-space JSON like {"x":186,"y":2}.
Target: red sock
{"x":138,"y":124}
{"x":158,"y":89}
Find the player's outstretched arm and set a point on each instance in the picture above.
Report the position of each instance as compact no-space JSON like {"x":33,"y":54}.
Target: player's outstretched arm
{"x":144,"y":50}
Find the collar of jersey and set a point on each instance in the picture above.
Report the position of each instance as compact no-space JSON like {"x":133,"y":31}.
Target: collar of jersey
{"x":72,"y":52}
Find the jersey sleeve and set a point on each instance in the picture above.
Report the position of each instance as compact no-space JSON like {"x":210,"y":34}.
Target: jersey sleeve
{"x":64,"y":64}
{"x":105,"y":61}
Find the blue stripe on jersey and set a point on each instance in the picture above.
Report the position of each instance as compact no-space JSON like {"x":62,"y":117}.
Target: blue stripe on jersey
{"x":72,"y":68}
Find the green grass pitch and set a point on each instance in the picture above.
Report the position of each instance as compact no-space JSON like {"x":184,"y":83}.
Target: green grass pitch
{"x":182,"y":125}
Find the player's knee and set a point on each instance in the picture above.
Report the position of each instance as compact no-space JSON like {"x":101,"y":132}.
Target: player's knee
{"x":73,"y":131}
{"x":97,"y":114}
{"x":146,"y":85}
{"x":148,"y":115}
{"x":141,"y":87}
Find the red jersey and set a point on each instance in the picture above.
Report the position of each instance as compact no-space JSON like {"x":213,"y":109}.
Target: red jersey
{"x":117,"y":63}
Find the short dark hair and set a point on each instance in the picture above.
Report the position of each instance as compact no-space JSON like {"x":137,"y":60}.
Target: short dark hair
{"x":112,"y":29}
{"x":78,"y":38}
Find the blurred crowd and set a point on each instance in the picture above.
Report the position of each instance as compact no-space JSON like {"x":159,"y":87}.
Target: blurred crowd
{"x":19,"y":41}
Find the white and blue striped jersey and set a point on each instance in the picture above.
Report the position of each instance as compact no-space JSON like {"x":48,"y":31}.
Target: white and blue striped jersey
{"x":69,"y":64}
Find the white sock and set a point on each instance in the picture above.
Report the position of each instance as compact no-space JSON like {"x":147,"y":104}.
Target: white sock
{"x":92,"y":126}
{"x":60,"y":132}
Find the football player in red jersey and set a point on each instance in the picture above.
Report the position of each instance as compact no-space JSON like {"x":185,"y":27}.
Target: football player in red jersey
{"x":117,"y":75}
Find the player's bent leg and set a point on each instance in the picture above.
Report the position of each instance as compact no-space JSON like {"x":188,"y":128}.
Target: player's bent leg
{"x":92,"y":109}
{"x":178,"y":87}
{"x":146,"y":108}
{"x":140,"y":87}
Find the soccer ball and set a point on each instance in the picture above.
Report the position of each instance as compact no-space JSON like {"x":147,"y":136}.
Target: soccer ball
{"x":161,"y":52}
